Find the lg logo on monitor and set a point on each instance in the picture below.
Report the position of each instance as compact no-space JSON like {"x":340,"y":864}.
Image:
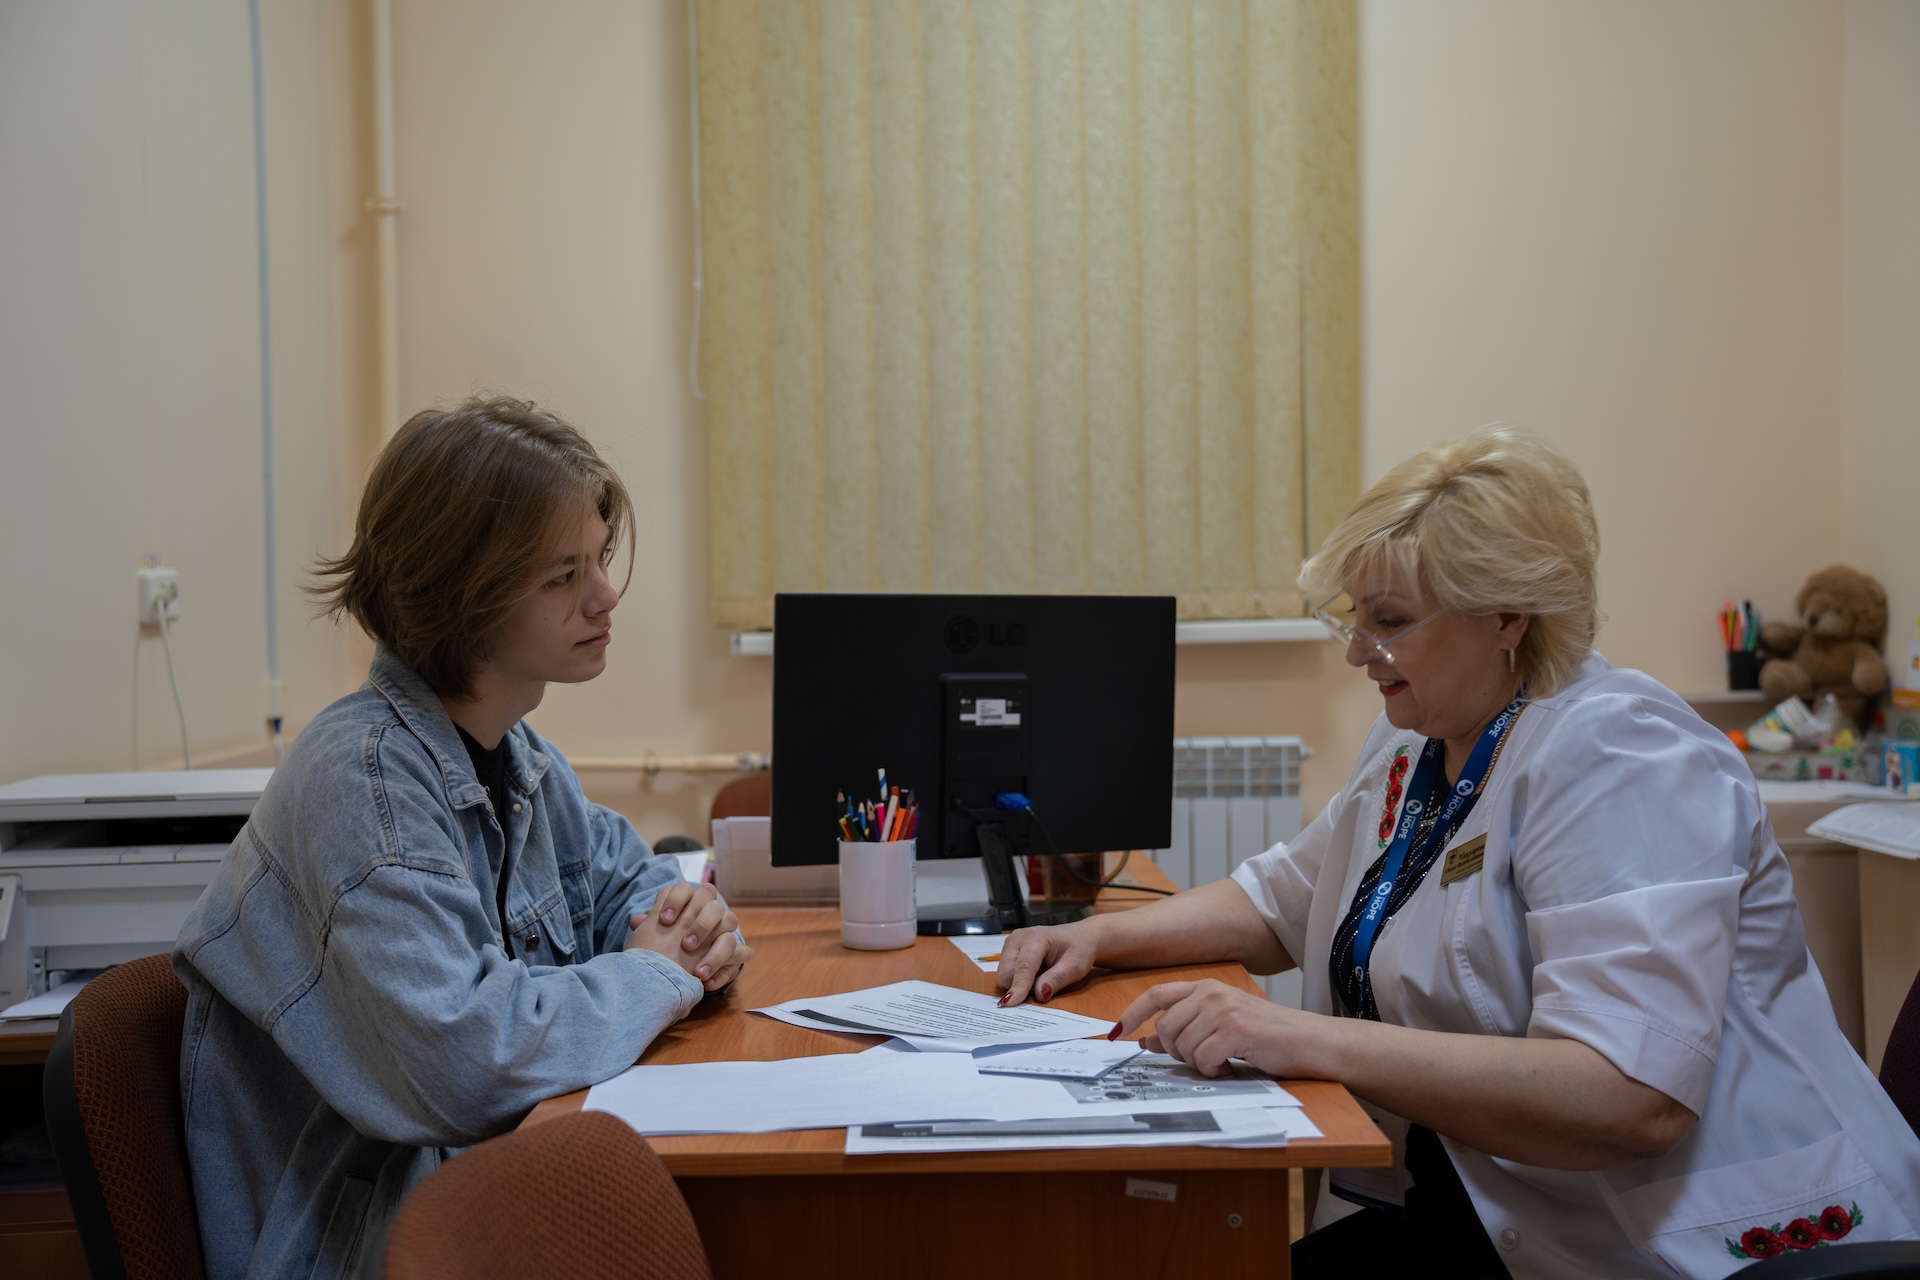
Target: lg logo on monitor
{"x":963,"y":634}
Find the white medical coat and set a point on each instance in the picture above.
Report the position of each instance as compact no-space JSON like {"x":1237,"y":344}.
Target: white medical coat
{"x":1633,"y":898}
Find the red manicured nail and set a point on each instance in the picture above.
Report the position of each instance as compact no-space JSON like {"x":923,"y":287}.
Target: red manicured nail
{"x":1004,"y":998}
{"x":1046,"y":993}
{"x":1115,"y":1033}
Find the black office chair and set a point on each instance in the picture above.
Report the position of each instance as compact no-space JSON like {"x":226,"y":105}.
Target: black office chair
{"x":1900,"y":1063}
{"x":1868,"y":1260}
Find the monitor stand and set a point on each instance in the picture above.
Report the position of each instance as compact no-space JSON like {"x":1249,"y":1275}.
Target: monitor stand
{"x":1005,"y":909}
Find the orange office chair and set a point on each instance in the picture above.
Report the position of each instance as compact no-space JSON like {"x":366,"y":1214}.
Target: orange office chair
{"x":581,"y":1196}
{"x":112,"y":1093}
{"x":750,"y":796}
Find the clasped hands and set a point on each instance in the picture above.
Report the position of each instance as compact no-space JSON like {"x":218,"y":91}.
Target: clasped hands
{"x":692,"y":927}
{"x":1202,"y":1023}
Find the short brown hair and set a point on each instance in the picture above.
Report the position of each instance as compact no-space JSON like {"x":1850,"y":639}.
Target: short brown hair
{"x":452,"y":530}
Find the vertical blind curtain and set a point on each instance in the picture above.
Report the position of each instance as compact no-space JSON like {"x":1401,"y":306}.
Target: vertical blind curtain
{"x":1028,"y":296}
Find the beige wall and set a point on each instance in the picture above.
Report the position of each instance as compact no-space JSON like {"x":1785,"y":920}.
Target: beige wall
{"x":546,"y":250}
{"x":1881,"y":370}
{"x":1618,"y":224}
{"x":1605,"y":221}
{"x":129,"y":373}
{"x":1621,"y":224}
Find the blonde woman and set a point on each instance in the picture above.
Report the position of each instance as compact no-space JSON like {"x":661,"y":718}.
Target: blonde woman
{"x":1546,"y":931}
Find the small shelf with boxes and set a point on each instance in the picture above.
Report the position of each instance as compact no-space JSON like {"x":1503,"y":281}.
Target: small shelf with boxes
{"x":1887,"y":755}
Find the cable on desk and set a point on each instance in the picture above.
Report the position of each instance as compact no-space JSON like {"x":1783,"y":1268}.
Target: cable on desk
{"x":166,"y":641}
{"x":1018,"y":803}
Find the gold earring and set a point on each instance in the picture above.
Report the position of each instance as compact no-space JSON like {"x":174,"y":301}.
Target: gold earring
{"x":1510,"y":660}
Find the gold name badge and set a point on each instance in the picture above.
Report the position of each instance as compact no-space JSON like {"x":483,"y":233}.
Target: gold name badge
{"x":1463,"y":860}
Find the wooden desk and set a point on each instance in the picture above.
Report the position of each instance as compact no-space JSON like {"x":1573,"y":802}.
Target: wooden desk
{"x":27,"y":1042}
{"x":793,"y":1204}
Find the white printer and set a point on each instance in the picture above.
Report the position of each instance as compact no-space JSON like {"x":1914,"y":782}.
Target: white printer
{"x":101,"y":868}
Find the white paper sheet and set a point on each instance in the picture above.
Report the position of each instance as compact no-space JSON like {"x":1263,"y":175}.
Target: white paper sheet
{"x":981,"y":948}
{"x":1154,"y":1081}
{"x":838,"y":1089}
{"x":824,"y":1092}
{"x":1293,"y":1123}
{"x":934,"y":1018}
{"x":50,"y":1005}
{"x":1068,"y":1059}
{"x":1149,"y":1083}
{"x":1177,"y":1129}
{"x":1892,"y":829}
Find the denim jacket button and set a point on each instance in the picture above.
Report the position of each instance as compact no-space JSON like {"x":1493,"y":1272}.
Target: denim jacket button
{"x":516,"y":808}
{"x":533,"y":941}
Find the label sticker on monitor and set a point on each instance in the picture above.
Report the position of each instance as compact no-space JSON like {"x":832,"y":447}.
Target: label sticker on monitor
{"x":989,"y":713}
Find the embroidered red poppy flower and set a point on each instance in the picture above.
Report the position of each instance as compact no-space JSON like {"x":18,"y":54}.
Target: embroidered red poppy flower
{"x":1395,"y":773}
{"x":1800,"y":1234}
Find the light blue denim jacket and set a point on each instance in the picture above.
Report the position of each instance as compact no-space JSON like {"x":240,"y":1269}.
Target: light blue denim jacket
{"x":352,"y":1011}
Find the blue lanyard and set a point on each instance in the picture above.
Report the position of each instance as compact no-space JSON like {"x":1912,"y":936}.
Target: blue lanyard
{"x":1428,"y":781}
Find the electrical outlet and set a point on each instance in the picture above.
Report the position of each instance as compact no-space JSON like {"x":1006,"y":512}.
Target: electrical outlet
{"x":159,"y":589}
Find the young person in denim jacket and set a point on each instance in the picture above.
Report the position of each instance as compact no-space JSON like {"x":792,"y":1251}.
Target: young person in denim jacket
{"x":425,"y":928}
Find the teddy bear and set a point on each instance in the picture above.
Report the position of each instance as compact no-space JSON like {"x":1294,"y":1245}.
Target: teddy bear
{"x":1834,"y":647}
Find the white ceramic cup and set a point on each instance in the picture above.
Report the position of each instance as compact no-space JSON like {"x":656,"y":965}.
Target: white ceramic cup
{"x":876,"y":895}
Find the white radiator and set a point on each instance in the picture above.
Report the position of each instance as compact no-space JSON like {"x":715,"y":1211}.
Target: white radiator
{"x":1233,"y":798}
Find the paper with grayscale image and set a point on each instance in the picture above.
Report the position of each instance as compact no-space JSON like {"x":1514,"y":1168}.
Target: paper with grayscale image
{"x":934,"y":1018}
{"x":1242,"y":1126}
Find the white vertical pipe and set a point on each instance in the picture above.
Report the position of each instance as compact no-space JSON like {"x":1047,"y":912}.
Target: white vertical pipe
{"x":269,"y":522}
{"x":385,"y":208}
{"x":699,"y":242}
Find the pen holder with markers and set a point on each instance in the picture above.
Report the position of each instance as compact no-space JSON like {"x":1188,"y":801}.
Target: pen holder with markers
{"x":1740,"y":631}
{"x":876,"y":894}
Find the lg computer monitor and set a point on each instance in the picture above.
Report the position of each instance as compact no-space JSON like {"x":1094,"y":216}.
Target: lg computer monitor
{"x":969,"y":699}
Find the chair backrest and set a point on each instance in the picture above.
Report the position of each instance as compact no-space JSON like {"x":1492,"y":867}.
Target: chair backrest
{"x":580,"y":1196}
{"x":750,"y":796}
{"x":112,"y":1093}
{"x":1900,"y":1063}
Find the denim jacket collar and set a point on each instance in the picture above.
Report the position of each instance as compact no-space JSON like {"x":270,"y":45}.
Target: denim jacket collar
{"x":421,"y":710}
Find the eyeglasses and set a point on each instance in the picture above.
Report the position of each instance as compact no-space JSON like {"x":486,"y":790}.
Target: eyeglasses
{"x":1367,"y":639}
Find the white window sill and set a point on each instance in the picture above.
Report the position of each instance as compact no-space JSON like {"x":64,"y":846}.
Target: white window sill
{"x":759,"y":644}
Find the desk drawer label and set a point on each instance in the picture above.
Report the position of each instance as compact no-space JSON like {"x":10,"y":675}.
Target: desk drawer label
{"x":1142,"y":1188}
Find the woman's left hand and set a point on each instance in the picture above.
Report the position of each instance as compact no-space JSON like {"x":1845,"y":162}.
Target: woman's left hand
{"x":1206,"y":1023}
